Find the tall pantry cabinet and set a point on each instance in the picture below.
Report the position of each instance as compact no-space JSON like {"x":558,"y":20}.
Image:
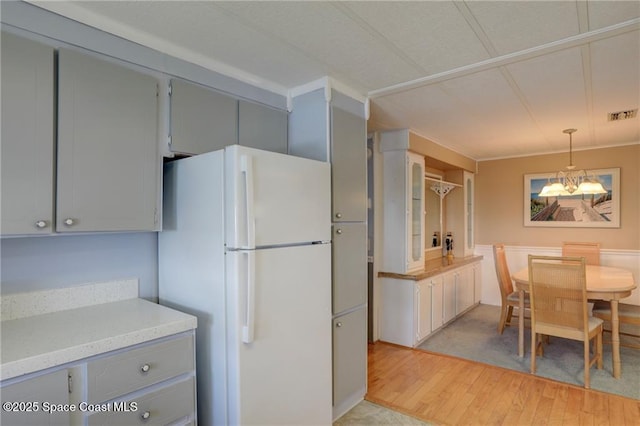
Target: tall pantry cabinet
{"x":328,"y":126}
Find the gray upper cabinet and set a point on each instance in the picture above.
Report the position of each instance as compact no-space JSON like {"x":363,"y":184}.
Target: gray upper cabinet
{"x":262,"y":127}
{"x":108,"y":157}
{"x":27,"y":137}
{"x":202,"y":120}
{"x":349,"y":166}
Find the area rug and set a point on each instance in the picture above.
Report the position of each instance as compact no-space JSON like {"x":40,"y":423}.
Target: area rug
{"x":474,"y":337}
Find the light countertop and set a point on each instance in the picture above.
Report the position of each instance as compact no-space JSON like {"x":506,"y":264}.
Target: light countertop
{"x":39,"y":341}
{"x":432,"y":267}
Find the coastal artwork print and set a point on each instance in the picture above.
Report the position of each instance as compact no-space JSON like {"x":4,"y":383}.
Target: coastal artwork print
{"x":588,"y":211}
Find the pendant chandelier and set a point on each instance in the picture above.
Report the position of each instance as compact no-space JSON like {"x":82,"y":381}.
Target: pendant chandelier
{"x":571,"y":181}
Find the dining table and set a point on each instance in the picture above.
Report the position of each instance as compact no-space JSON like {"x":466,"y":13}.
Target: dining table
{"x":603,"y":283}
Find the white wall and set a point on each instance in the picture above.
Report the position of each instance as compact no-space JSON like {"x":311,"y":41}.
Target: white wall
{"x":517,"y":259}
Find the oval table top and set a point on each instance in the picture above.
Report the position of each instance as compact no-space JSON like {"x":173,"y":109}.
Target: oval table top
{"x":599,"y":278}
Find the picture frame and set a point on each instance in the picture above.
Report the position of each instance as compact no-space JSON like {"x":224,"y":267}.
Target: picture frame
{"x":575,"y":211}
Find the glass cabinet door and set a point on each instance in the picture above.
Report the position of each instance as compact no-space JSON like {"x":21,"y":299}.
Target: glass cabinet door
{"x":415,"y":212}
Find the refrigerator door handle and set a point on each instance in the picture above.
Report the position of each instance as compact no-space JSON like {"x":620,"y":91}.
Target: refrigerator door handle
{"x":246,"y":167}
{"x":249,"y":320}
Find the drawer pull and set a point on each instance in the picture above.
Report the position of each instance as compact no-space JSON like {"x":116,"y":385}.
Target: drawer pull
{"x":145,"y":368}
{"x":145,"y":416}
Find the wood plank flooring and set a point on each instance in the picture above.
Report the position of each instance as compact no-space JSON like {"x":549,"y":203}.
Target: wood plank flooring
{"x":445,"y":390}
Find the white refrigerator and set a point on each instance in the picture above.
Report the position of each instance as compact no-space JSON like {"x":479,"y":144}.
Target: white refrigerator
{"x":245,"y":247}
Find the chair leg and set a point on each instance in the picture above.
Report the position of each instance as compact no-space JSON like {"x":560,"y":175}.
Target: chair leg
{"x":587,"y":364}
{"x":505,"y":317}
{"x":599,"y":350}
{"x":533,"y":352}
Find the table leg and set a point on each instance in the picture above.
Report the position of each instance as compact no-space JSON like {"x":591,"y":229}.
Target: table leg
{"x":521,"y":324}
{"x":615,"y":339}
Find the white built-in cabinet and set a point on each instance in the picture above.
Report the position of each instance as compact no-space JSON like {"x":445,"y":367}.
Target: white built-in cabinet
{"x":204,"y":120}
{"x":403,"y":189}
{"x":411,"y":310}
{"x":423,"y":302}
{"x":108,"y":163}
{"x":459,"y":212}
{"x":27,"y":180}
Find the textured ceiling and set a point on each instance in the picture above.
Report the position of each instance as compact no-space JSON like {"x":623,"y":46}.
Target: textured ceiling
{"x":486,"y":79}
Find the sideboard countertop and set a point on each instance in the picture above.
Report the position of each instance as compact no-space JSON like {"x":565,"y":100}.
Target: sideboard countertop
{"x":432,"y":268}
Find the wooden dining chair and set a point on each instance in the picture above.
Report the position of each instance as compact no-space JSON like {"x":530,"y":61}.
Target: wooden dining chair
{"x":590,"y":251}
{"x":509,"y":297}
{"x":628,"y":318}
{"x":559,"y":307}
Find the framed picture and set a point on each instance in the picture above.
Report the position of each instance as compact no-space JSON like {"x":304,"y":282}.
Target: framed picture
{"x":574,"y":211}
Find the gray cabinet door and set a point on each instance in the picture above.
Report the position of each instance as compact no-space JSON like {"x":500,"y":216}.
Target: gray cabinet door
{"x":349,"y":265}
{"x":52,"y":389}
{"x":108,"y":156}
{"x":27,"y":136}
{"x":349,"y":166}
{"x":262,"y":127}
{"x":202,"y":120}
{"x":349,"y":355}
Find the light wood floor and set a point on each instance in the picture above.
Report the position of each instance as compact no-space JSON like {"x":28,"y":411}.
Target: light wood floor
{"x":445,"y":390}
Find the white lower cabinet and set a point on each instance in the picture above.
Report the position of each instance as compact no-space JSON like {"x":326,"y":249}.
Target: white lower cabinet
{"x":437,"y":296}
{"x":151,"y":383}
{"x":449,"y":297}
{"x":413,"y":310}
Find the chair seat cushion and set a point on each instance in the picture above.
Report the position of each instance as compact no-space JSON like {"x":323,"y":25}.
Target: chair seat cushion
{"x":515,"y":297}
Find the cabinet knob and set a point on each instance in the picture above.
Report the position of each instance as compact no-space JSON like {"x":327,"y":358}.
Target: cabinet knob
{"x":338,"y":215}
{"x":145,"y":415}
{"x":69,"y":222}
{"x":41,"y":224}
{"x":145,"y":368}
{"x":338,"y":231}
{"x":339,"y":324}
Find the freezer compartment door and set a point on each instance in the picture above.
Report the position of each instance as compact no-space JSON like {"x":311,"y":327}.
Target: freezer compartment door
{"x":282,"y":373}
{"x":275,"y":199}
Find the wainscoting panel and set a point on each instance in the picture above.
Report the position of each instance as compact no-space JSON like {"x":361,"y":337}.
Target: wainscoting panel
{"x":517,"y":259}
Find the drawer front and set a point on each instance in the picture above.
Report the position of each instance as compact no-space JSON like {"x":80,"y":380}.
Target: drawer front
{"x":160,"y":407}
{"x":116,"y":375}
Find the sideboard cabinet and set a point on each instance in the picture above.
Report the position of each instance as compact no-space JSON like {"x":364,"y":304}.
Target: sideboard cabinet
{"x":412,"y":310}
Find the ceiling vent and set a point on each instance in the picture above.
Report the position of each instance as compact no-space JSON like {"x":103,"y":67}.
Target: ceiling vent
{"x":622,"y":115}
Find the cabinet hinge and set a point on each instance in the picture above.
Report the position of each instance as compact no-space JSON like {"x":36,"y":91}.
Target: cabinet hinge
{"x":170,"y":89}
{"x":70,"y":382}
{"x":169,"y":141}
